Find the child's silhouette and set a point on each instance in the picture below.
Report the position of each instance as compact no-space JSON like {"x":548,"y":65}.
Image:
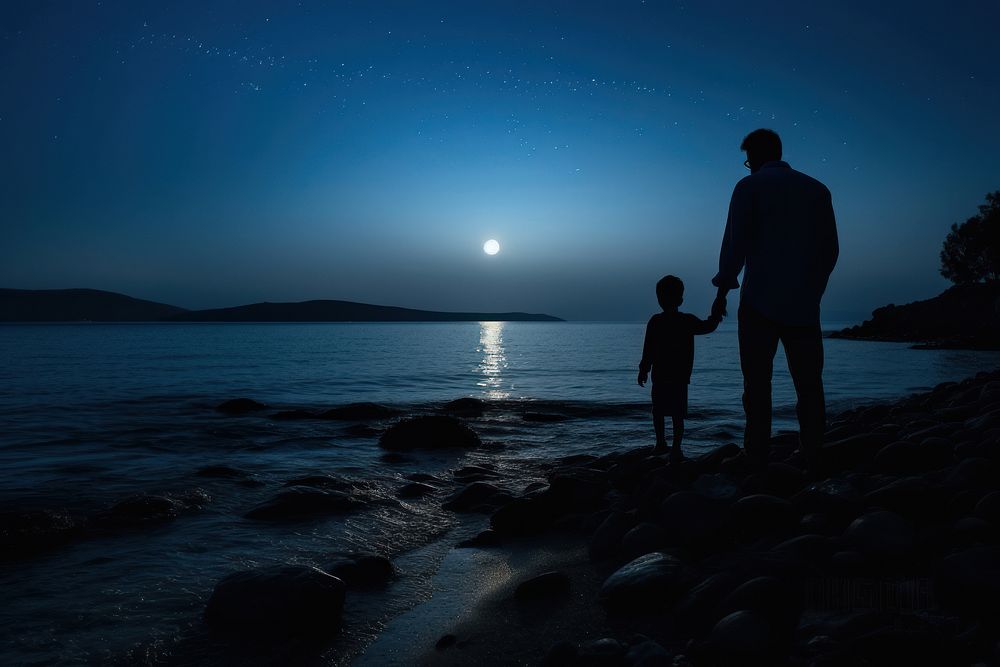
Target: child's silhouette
{"x":669,"y":351}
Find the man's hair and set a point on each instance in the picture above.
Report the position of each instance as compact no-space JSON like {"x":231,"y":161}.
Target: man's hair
{"x":764,"y":144}
{"x":670,"y":290}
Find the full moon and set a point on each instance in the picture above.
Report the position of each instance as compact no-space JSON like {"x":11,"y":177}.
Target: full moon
{"x":491,"y":247}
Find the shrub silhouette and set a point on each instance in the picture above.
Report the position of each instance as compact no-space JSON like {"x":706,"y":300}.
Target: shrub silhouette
{"x":971,"y":252}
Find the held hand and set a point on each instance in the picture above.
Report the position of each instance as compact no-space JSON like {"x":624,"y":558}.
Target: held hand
{"x":642,"y":379}
{"x":719,"y":307}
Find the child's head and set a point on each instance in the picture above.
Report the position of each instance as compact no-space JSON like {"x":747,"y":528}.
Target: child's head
{"x":670,"y":292}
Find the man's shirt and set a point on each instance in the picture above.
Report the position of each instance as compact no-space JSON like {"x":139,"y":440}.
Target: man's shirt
{"x":782,"y":234}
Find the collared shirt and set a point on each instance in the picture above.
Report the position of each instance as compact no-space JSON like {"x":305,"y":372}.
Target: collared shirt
{"x":782,"y":234}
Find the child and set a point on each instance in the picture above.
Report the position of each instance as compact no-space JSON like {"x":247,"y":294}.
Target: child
{"x":669,"y":351}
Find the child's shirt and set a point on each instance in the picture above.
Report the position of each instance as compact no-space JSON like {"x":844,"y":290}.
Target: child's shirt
{"x":669,"y":345}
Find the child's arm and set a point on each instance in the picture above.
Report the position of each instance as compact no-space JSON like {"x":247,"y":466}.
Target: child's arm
{"x":647,"y":355}
{"x":700,"y":326}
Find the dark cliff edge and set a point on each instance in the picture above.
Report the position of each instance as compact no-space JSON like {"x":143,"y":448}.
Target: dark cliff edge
{"x":344,"y":311}
{"x":88,"y":305}
{"x":962,"y":317}
{"x":79,"y":305}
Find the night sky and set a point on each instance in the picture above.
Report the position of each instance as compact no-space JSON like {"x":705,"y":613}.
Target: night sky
{"x":210,"y":154}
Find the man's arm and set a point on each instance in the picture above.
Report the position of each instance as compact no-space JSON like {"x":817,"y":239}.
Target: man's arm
{"x":831,"y":244}
{"x":732,"y":256}
{"x":647,"y":355}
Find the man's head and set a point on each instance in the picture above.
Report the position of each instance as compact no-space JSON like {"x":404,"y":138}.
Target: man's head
{"x":670,"y":292}
{"x":761,"y":146}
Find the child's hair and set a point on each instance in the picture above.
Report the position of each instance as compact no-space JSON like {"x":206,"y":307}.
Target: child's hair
{"x":670,"y":291}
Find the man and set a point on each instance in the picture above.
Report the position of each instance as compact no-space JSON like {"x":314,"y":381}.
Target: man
{"x":782,"y":234}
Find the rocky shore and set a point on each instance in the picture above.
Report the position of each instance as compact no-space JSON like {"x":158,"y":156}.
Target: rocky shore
{"x":890,"y":554}
{"x":962,"y":317}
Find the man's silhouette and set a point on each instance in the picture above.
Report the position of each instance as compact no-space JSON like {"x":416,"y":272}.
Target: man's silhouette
{"x":782,"y":234}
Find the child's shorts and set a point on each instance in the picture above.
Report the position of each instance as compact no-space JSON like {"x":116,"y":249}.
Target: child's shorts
{"x":670,"y":399}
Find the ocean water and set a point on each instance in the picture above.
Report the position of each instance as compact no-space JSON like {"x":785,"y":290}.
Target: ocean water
{"x":91,"y":414}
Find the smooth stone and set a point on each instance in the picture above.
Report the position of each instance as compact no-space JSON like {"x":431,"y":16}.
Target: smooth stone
{"x":711,"y":461}
{"x":881,"y":535}
{"x":988,"y":507}
{"x":415,"y":490}
{"x":692,"y":520}
{"x":909,"y":457}
{"x":137,"y":511}
{"x":971,"y":473}
{"x":741,"y":638}
{"x":321,"y":482}
{"x":695,"y":612}
{"x":561,"y":654}
{"x":429,"y":432}
{"x":760,"y":514}
{"x":972,"y":531}
{"x":446,"y":641}
{"x":777,"y":479}
{"x":851,"y":452}
{"x":277,"y":603}
{"x":239,"y":406}
{"x":470,"y":496}
{"x":806,"y":548}
{"x":26,"y":533}
{"x":465,"y":407}
{"x":303,"y":503}
{"x":359,"y":412}
{"x":292,"y":415}
{"x":605,"y":541}
{"x":643,"y":539}
{"x":362,"y":569}
{"x":910,"y":496}
{"x":546,"y":585}
{"x":768,"y":595}
{"x":648,"y":654}
{"x":648,"y":583}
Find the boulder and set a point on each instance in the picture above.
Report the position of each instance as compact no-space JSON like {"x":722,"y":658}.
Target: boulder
{"x":472,"y":496}
{"x":649,"y":583}
{"x":359,"y":412}
{"x":882,"y":536}
{"x":239,"y":406}
{"x":607,"y":538}
{"x":692,"y":520}
{"x":276,"y":604}
{"x":912,"y":497}
{"x":777,"y":479}
{"x":695,"y":612}
{"x":988,"y":507}
{"x":362,"y":569}
{"x":304,"y":503}
{"x":648,"y":654}
{"x":774,"y":598}
{"x":544,"y":586}
{"x":742,"y":638}
{"x":429,"y":432}
{"x":415,"y":490}
{"x":853,"y":451}
{"x":485,"y":538}
{"x":465,"y":407}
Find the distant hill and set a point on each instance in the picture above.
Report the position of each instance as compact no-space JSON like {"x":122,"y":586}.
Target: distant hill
{"x":962,"y":317}
{"x":344,"y":311}
{"x":87,"y":305}
{"x":79,"y":305}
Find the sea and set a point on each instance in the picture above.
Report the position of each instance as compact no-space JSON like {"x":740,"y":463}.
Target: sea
{"x":92,"y":414}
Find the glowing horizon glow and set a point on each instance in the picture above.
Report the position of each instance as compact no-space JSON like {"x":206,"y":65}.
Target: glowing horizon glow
{"x":491,"y":247}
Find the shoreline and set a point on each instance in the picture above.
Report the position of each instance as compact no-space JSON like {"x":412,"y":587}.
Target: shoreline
{"x":891,"y":554}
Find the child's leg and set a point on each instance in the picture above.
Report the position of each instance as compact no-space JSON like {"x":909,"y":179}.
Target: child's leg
{"x":658,"y":429}
{"x":678,"y":436}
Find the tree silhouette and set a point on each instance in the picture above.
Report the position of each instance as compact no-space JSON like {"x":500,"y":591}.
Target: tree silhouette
{"x":971,"y":252}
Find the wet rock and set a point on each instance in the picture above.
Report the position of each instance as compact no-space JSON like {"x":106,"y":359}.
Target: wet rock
{"x":415,"y":490}
{"x":138,"y":511}
{"x":424,"y":477}
{"x":696,"y":611}
{"x":561,"y":654}
{"x":303,"y":503}
{"x":838,"y":501}
{"x":544,"y":586}
{"x":648,"y":654}
{"x":27,"y":533}
{"x":275,"y":604}
{"x":971,"y":473}
{"x":805,"y":548}
{"x":649,"y":583}
{"x":359,"y":412}
{"x":777,"y":479}
{"x":643,"y":539}
{"x":362,"y":569}
{"x":465,"y":407}
{"x":973,"y":531}
{"x":759,"y":514}
{"x":239,"y":406}
{"x":446,"y":641}
{"x":429,"y":432}
{"x":851,"y":452}
{"x":523,"y":516}
{"x":815,"y":523}
{"x":884,"y":536}
{"x":909,"y":457}
{"x":474,"y":473}
{"x":774,"y":598}
{"x":486,"y":538}
{"x":717,"y":486}
{"x":606,"y":539}
{"x":742,"y":638}
{"x":969,"y":580}
{"x":471,"y":496}
{"x":604,"y":652}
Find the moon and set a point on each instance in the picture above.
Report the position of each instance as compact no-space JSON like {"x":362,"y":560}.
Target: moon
{"x":491,"y":247}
